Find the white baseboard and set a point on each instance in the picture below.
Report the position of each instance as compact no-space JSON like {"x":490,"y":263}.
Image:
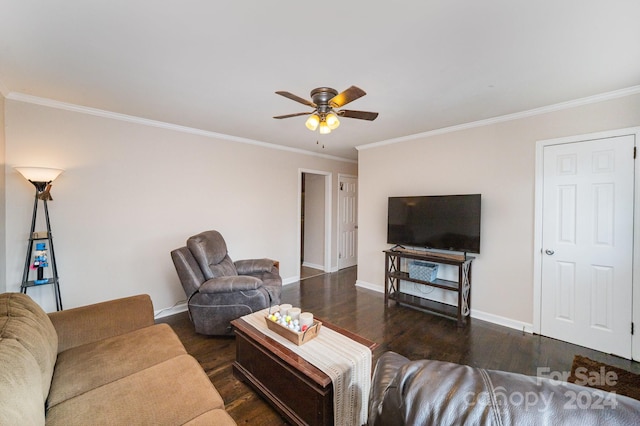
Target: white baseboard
{"x":484,"y":316}
{"x":176,"y":309}
{"x":505,"y":322}
{"x":313,"y":265}
{"x":290,"y":280}
{"x":369,"y":286}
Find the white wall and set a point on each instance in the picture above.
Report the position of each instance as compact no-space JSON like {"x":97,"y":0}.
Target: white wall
{"x":314,"y":221}
{"x":496,"y":160}
{"x":131,"y":193}
{"x":3,"y":260}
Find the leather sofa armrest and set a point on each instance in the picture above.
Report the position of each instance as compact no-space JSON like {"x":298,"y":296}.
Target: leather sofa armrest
{"x":230,"y":284}
{"x":384,"y":372}
{"x":431,"y":392}
{"x":91,"y":323}
{"x":253,"y":266}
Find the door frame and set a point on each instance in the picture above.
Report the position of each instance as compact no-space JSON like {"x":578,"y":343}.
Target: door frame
{"x":538,"y":208}
{"x":338,"y":235}
{"x":327,"y":217}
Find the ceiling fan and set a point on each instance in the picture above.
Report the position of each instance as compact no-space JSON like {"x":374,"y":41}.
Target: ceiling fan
{"x":325,"y":104}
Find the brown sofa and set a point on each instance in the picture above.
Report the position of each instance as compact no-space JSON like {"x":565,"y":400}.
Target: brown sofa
{"x":106,"y":363}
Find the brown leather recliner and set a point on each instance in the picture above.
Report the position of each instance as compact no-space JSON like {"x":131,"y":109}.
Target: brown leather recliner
{"x":220,"y":290}
{"x":429,"y":392}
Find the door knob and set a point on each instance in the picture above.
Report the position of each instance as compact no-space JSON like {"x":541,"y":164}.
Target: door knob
{"x":549,"y":252}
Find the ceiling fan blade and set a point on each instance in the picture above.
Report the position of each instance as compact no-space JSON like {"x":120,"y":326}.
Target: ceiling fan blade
{"x":294,"y":115}
{"x":349,"y":95}
{"x":362,"y":115}
{"x":296,"y":98}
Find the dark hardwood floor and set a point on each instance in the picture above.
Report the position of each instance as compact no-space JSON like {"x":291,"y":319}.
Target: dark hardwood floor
{"x":308,"y":272}
{"x":409,"y":332}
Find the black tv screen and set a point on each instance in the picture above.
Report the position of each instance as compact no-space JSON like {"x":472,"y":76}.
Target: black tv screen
{"x":445,"y":222}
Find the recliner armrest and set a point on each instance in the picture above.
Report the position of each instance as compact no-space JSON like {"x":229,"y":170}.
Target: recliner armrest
{"x":252,"y":266}
{"x":230,"y":284}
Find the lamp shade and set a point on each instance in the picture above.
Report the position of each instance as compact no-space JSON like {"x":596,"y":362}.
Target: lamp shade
{"x":39,"y":174}
{"x":332,"y":121}
{"x":324,"y":128}
{"x":312,"y":122}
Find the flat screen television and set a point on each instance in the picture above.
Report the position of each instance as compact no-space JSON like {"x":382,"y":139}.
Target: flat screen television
{"x":444,"y":222}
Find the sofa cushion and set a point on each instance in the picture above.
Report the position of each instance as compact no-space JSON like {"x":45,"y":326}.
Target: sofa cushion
{"x":24,"y":320}
{"x":90,"y":323}
{"x":19,"y":376}
{"x":89,"y":366}
{"x":170,"y":393}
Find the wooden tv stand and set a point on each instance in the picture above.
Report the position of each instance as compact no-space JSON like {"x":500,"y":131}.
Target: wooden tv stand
{"x":394,"y":274}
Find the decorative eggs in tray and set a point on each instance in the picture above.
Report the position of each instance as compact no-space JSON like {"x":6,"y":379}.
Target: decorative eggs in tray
{"x":295,"y":326}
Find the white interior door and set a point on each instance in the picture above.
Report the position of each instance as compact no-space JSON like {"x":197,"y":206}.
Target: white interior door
{"x":587,"y":243}
{"x":348,"y":203}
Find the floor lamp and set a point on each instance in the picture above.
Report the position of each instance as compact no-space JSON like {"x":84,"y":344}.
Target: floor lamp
{"x":41,"y":178}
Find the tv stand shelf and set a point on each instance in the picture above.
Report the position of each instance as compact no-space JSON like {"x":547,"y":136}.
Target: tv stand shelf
{"x":394,"y":275}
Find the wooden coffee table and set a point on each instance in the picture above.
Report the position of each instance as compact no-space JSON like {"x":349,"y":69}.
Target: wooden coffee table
{"x":299,"y":391}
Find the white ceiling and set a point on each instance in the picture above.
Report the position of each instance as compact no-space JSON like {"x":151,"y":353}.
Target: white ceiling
{"x":215,"y":65}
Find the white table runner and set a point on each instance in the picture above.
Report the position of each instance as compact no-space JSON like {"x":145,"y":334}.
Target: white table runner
{"x":345,"y":361}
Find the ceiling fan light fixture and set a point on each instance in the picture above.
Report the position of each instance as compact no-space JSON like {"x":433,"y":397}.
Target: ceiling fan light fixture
{"x":312,"y":122}
{"x":327,"y":105}
{"x":332,"y":121}
{"x":324,"y":128}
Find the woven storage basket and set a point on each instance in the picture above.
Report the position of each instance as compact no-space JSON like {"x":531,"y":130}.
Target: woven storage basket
{"x":421,"y":270}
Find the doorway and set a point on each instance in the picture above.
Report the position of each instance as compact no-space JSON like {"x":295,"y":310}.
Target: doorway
{"x":584,"y":241}
{"x":348,"y":221}
{"x":315,"y":222}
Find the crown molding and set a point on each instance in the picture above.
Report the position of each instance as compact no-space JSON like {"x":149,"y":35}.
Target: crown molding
{"x":36,"y":100}
{"x":509,"y":117}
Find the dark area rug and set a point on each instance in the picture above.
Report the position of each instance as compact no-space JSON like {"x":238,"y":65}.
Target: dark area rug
{"x":595,"y":374}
